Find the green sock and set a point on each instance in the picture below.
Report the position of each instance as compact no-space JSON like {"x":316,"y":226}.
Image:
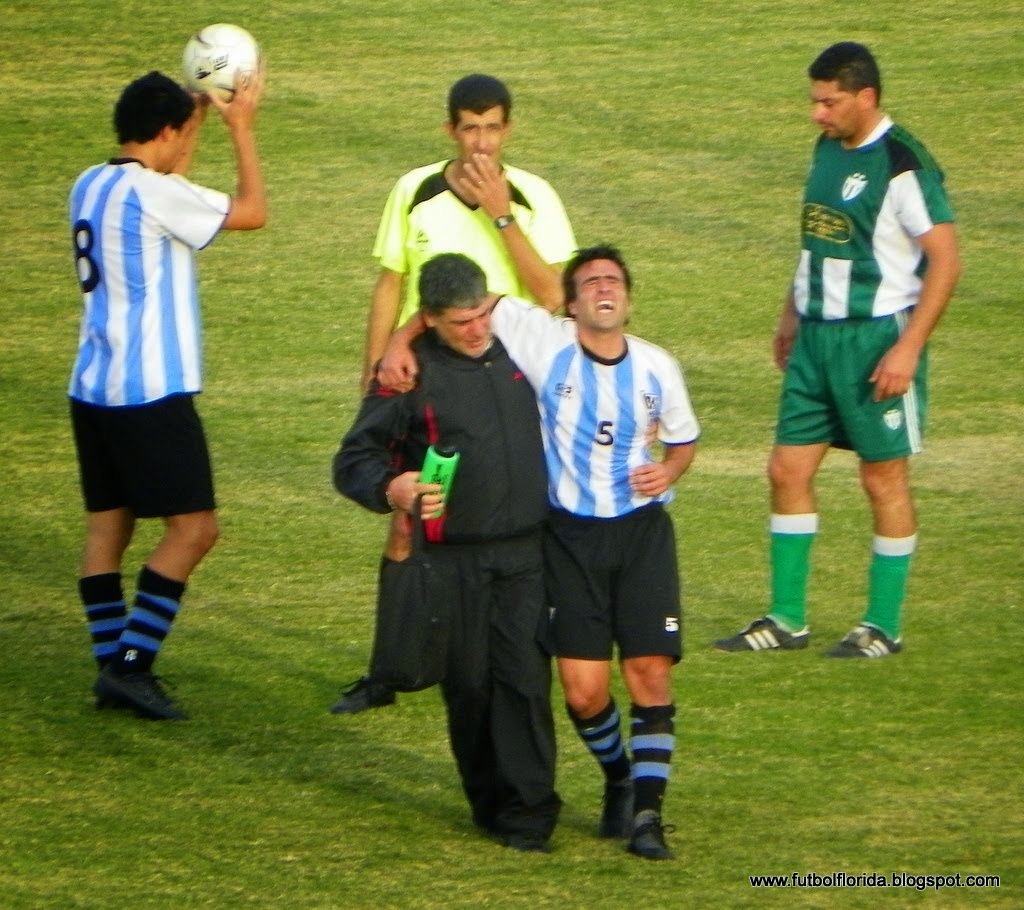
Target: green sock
{"x":887,"y":582}
{"x":791,"y":539}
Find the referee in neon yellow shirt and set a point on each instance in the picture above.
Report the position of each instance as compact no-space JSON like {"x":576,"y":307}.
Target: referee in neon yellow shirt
{"x":507,"y":220}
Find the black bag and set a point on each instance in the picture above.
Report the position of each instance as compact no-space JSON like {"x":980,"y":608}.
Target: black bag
{"x":410,"y":645}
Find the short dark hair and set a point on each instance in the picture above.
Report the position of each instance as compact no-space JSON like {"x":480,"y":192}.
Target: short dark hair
{"x":478,"y":93}
{"x":451,"y":280}
{"x":589,"y":254}
{"x":149,"y":104}
{"x":850,"y":64}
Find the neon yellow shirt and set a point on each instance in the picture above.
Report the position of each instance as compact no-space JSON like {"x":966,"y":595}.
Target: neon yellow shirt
{"x":424,"y":217}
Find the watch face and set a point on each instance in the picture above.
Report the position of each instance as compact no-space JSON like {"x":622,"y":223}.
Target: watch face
{"x":503,"y":221}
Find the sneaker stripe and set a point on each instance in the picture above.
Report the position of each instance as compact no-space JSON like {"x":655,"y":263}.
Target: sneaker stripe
{"x":762,"y":640}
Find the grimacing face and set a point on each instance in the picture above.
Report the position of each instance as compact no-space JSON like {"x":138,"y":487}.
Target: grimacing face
{"x":467,"y":331}
{"x":602,"y":300}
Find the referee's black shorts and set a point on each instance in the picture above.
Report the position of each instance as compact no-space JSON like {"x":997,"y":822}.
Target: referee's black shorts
{"x":150,"y":458}
{"x":613,"y":581}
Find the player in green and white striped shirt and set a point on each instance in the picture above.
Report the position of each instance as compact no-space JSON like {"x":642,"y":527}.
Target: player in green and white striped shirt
{"x":878,"y":265}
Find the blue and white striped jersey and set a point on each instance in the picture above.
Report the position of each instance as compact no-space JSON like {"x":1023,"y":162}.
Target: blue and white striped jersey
{"x":135,"y":232}
{"x":598,"y":418}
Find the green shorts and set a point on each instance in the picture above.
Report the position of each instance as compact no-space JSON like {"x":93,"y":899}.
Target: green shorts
{"x":826,"y":395}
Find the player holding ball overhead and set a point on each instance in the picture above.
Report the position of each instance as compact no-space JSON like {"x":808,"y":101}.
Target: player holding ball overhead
{"x":136,"y":223}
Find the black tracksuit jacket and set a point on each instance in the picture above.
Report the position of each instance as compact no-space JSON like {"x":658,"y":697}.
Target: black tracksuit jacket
{"x":486,"y":410}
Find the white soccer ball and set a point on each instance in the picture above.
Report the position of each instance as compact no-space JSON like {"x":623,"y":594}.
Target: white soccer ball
{"x":214,"y":54}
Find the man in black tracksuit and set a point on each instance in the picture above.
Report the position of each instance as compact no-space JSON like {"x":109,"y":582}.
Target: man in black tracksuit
{"x":472,"y":397}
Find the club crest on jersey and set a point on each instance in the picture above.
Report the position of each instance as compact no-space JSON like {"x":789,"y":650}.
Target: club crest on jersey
{"x":893,"y":419}
{"x":563,"y":390}
{"x":854,"y":186}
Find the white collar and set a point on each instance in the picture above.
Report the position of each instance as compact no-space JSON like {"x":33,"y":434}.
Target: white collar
{"x":884,"y":125}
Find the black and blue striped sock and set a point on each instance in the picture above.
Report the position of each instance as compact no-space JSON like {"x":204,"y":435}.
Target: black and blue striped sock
{"x":157,"y":601}
{"x":105,"y":613}
{"x":604,"y":740}
{"x":652,"y":741}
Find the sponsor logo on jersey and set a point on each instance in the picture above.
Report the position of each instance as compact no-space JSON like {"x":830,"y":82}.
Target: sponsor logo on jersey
{"x":893,"y":418}
{"x":854,"y":186}
{"x":563,"y":390}
{"x":826,"y":224}
{"x":653,"y":404}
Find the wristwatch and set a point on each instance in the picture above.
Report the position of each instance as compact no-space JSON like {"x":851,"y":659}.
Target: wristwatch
{"x":503,"y":221}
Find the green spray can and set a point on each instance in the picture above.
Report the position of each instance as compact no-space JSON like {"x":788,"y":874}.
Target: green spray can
{"x":439,"y":467}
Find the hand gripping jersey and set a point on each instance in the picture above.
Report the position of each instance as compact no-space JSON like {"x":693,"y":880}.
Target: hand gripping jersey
{"x":864,"y":209}
{"x":424,"y":217}
{"x":598,"y":418}
{"x":135,"y":232}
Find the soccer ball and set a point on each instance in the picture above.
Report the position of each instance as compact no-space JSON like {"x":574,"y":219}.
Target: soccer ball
{"x":214,"y":54}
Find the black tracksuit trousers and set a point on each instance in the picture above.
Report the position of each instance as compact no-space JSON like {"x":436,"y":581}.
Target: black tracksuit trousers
{"x":497,"y":688}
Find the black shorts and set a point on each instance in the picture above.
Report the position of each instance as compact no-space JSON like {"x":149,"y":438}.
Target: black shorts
{"x":613,"y":581}
{"x":150,"y":458}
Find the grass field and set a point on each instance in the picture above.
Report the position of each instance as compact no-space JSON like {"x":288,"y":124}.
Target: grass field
{"x":680,"y":131}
